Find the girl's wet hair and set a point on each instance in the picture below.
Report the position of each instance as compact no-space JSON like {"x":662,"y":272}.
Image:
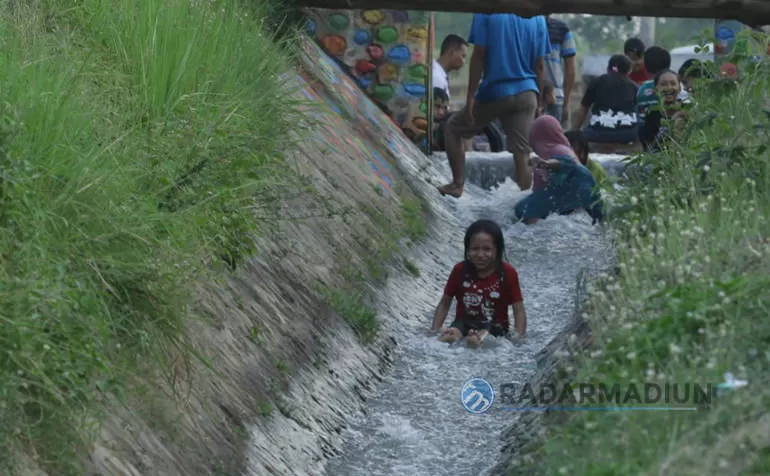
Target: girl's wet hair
{"x":619,"y":64}
{"x":660,"y":74}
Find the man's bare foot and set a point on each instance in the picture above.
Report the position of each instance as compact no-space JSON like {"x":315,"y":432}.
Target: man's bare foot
{"x":451,"y":189}
{"x":531,"y":221}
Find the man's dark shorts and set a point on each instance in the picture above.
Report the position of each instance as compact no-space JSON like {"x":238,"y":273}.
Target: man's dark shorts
{"x":496,"y":330}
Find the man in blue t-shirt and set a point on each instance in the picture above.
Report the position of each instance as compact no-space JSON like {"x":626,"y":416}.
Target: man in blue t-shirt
{"x":508,"y":61}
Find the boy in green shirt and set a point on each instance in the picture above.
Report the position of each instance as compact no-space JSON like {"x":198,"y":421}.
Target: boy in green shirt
{"x":656,"y":59}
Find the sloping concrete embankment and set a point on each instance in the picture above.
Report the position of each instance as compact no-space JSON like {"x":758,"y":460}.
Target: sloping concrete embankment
{"x":286,"y":370}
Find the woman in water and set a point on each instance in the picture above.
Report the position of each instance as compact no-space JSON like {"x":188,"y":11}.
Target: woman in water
{"x":484,"y":286}
{"x":566,"y":183}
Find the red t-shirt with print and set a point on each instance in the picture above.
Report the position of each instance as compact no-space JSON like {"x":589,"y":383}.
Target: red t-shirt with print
{"x":483,"y":300}
{"x":638,"y":77}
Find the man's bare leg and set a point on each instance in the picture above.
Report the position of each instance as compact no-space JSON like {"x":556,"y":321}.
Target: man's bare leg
{"x":455,"y":153}
{"x":522,"y":173}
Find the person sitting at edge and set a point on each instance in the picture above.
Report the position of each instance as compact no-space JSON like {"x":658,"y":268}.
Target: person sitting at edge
{"x":610,"y":100}
{"x":452,"y":55}
{"x":509,"y":51}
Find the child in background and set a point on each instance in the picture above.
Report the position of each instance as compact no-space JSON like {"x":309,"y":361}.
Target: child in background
{"x":690,"y":73}
{"x":634,"y":49}
{"x":580,"y":145}
{"x":440,"y":105}
{"x":484,"y":286}
{"x":656,"y":59}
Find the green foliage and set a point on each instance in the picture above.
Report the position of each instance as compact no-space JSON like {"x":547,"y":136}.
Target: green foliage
{"x":690,"y":302}
{"x":352,"y":306}
{"x":138,"y":140}
{"x":413,"y":219}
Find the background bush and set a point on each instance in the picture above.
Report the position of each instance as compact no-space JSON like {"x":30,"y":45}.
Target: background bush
{"x":690,"y":302}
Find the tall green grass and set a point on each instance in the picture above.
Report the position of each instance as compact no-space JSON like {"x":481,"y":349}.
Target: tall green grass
{"x":690,"y":302}
{"x":138,"y":141}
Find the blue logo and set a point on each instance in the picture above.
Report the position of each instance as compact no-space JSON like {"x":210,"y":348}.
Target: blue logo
{"x":724,"y":33}
{"x":477,"y":396}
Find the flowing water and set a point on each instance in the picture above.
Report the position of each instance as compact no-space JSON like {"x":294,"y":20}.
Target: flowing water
{"x":414,"y":423}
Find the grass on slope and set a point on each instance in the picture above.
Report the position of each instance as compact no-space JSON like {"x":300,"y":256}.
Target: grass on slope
{"x":690,"y":303}
{"x":137,"y":140}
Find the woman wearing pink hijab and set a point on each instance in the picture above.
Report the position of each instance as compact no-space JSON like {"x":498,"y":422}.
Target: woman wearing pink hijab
{"x":560,"y":182}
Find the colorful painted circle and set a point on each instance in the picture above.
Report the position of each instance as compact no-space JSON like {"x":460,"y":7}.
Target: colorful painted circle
{"x":334,"y":44}
{"x":400,"y":16}
{"x":387,"y":34}
{"x":383,"y":92}
{"x":362,"y":37}
{"x":375,"y":51}
{"x":417,"y":71}
{"x":399,"y":54}
{"x":421,"y":123}
{"x":338,"y":22}
{"x":373,"y":17}
{"x":415,"y":89}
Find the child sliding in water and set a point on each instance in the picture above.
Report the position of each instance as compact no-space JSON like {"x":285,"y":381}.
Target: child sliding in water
{"x":484,"y":286}
{"x":561,"y":183}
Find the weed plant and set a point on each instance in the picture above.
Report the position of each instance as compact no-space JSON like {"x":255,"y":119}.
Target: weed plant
{"x":691,"y":300}
{"x":138,"y":140}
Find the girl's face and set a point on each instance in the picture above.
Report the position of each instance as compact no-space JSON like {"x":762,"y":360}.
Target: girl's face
{"x":669,"y":87}
{"x":482,"y":252}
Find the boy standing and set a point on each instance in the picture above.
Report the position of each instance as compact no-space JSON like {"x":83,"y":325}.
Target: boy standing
{"x":634,"y":49}
{"x":656,"y":59}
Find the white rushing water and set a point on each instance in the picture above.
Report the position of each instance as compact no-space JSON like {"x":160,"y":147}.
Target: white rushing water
{"x":415,"y":424}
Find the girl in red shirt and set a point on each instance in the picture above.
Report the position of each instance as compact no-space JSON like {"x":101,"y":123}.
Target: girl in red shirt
{"x":484,"y":285}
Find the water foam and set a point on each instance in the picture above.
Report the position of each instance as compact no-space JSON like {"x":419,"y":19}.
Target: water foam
{"x":414,"y":423}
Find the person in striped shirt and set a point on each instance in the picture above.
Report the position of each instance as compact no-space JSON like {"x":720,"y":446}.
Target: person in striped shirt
{"x":560,"y":68}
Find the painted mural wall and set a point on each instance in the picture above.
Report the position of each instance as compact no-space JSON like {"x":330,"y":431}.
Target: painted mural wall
{"x":346,"y":122}
{"x":389,"y":53}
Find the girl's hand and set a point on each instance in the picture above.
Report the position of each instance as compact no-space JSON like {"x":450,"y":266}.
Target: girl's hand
{"x":538,"y":162}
